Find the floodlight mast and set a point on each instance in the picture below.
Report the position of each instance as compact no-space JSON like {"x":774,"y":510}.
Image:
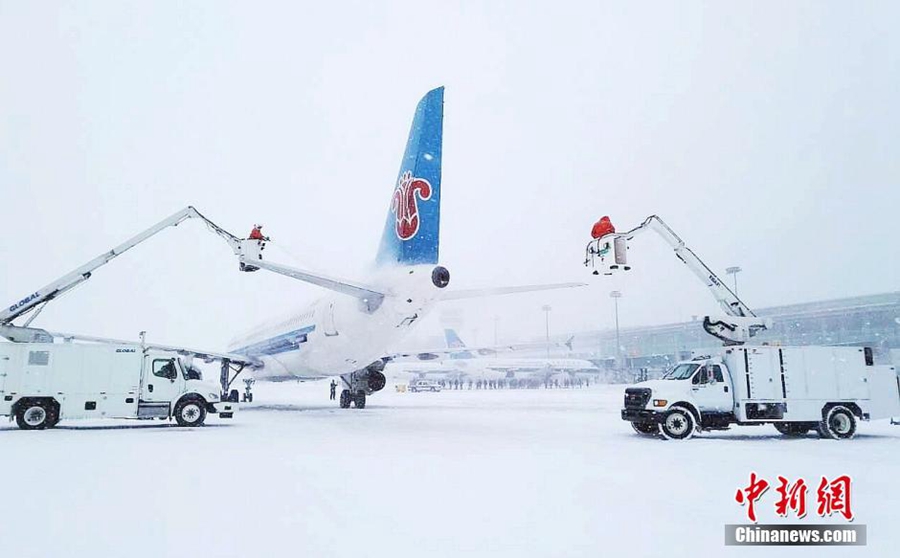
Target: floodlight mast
{"x":739,"y":324}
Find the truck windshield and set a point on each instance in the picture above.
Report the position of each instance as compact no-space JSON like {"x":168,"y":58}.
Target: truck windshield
{"x":682,"y":371}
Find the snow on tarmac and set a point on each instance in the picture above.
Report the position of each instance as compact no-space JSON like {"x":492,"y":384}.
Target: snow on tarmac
{"x":476,"y":473}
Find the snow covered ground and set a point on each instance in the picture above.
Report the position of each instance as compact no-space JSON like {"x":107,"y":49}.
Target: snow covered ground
{"x":475,"y":473}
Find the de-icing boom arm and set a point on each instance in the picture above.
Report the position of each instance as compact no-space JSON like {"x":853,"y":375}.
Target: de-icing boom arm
{"x":83,"y":273}
{"x":741,"y":323}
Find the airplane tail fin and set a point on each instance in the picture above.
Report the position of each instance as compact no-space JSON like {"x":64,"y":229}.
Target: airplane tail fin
{"x":454,"y":342}
{"x":412,"y":230}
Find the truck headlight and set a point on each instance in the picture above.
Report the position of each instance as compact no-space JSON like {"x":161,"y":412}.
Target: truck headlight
{"x":213,"y":396}
{"x":660,"y":402}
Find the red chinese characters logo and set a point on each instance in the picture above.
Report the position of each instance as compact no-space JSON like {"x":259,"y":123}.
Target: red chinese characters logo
{"x":831,"y":497}
{"x":791,"y":497}
{"x":751,"y":494}
{"x":834,"y":497}
{"x":405,"y":205}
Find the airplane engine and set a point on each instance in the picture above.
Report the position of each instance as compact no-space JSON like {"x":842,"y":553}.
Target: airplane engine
{"x":368,"y":380}
{"x":376,"y":380}
{"x":440,"y":277}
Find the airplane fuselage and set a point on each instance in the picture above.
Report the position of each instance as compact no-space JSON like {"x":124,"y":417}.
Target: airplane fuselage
{"x":339,"y":334}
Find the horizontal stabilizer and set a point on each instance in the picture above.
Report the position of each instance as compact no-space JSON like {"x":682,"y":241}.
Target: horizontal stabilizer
{"x":371,"y":297}
{"x":497,"y":291}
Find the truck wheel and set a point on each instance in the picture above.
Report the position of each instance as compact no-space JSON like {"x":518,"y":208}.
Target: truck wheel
{"x":792,"y":428}
{"x":646,"y":428}
{"x":34,"y":416}
{"x":190,"y":412}
{"x":345,"y":399}
{"x":839,"y":423}
{"x":678,"y":424}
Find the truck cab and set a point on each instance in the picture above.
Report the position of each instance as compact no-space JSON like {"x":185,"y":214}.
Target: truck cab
{"x":167,"y":381}
{"x":702,"y":386}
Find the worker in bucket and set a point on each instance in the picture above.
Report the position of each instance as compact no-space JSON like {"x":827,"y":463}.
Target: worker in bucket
{"x":602,"y":227}
{"x":256,"y":233}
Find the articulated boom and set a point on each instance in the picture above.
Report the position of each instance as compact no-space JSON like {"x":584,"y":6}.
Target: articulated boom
{"x":608,"y":254}
{"x":36,"y":300}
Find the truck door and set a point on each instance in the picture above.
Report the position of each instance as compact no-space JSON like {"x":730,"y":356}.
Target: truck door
{"x":711,"y":389}
{"x":162,"y":379}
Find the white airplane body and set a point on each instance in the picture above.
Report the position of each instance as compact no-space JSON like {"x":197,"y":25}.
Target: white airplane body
{"x":333,"y":335}
{"x":348,"y":333}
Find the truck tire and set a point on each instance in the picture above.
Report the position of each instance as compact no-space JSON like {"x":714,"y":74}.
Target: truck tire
{"x":839,"y":423}
{"x":646,"y":428}
{"x":677,"y":424}
{"x":792,"y":428}
{"x":190,"y":411}
{"x":35,"y":415}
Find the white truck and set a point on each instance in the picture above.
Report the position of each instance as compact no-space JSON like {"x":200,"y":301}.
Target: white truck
{"x":43,"y":383}
{"x":797,"y":389}
{"x":424,"y":385}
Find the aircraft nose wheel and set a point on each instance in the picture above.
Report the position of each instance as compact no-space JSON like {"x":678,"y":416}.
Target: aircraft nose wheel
{"x":345,"y":399}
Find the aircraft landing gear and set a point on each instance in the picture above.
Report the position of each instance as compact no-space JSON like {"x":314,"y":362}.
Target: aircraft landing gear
{"x":358,"y":400}
{"x":248,"y":394}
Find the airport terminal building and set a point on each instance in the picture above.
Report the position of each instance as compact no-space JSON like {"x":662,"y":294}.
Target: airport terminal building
{"x":872,"y":320}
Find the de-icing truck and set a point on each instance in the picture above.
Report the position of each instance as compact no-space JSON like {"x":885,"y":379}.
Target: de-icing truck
{"x":797,"y":389}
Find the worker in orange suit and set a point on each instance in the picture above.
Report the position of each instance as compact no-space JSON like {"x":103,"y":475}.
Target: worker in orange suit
{"x":602,"y":228}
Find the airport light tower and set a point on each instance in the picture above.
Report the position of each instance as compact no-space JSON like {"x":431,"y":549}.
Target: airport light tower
{"x":547,"y":308}
{"x":733,"y":271}
{"x":616,"y":295}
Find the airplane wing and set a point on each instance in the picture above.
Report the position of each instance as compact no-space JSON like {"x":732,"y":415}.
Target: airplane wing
{"x":495,"y":291}
{"x":206,"y":356}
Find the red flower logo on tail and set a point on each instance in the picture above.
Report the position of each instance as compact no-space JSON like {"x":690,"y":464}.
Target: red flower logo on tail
{"x":405,"y":205}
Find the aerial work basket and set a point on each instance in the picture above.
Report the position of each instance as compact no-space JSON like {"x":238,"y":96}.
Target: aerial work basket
{"x":608,"y":252}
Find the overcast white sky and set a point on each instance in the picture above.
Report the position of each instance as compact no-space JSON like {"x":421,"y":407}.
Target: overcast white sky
{"x":765,"y":134}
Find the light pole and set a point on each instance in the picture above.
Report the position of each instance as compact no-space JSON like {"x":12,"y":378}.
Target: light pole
{"x":547,"y":308}
{"x":734,"y":270}
{"x":616,"y":295}
{"x":496,"y":321}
